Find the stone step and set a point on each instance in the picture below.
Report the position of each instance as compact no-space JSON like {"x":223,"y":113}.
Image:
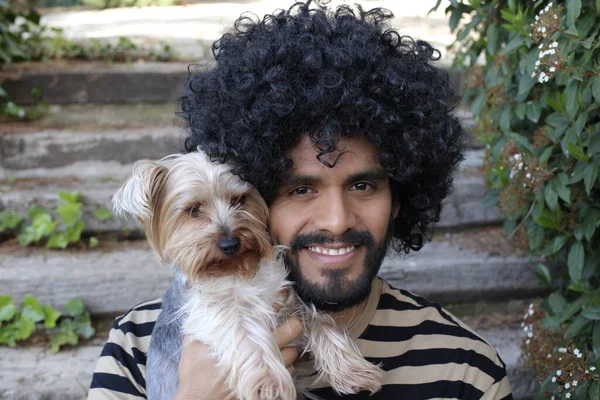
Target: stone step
{"x":33,"y":373}
{"x":84,"y":152}
{"x":98,"y":180}
{"x":461,"y":267}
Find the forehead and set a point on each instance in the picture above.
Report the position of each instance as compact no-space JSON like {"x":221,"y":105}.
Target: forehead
{"x":351,"y":154}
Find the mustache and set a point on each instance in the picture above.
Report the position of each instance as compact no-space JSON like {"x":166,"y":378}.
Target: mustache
{"x":349,"y":238}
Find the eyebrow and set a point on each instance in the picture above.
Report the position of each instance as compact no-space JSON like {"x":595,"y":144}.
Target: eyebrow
{"x":368,"y":175}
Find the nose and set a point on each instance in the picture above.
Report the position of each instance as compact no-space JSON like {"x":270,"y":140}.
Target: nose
{"x":229,"y":246}
{"x":334,"y":214}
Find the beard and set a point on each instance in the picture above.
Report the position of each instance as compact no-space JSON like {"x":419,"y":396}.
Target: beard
{"x":337,"y":292}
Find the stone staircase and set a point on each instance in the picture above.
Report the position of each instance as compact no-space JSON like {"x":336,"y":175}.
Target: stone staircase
{"x":104,"y":118}
{"x":470,"y":261}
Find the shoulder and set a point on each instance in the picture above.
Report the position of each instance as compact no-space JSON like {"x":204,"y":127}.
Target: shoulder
{"x":422,"y":345}
{"x":121,"y":367}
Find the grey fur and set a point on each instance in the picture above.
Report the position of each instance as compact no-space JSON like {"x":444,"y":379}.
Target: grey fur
{"x":165,"y":345}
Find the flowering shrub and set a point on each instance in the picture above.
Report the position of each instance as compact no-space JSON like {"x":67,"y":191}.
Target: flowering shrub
{"x":533,"y":85}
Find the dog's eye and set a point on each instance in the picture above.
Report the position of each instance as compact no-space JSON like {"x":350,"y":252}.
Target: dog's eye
{"x":194,"y":210}
{"x":238,"y":201}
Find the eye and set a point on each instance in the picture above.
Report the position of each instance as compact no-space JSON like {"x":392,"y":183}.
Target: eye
{"x":363,"y":186}
{"x":238,"y":201}
{"x":300,"y":191}
{"x":194,"y":211}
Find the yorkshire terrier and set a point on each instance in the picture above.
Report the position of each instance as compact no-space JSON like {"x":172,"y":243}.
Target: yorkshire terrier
{"x":211,"y":228}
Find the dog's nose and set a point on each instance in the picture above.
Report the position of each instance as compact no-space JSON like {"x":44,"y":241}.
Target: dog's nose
{"x":229,"y":246}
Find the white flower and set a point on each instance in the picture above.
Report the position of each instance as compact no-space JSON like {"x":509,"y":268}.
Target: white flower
{"x":558,"y":372}
{"x":524,"y":185}
{"x":528,"y":175}
{"x":574,"y":383}
{"x":567,"y":386}
{"x":554,"y":44}
{"x":540,"y":46}
{"x":579,"y":355}
{"x":559,"y":358}
{"x":562,"y":350}
{"x":537,"y":63}
{"x":543,"y":29}
{"x":553,"y":379}
{"x":592,"y":368}
{"x":568,"y":395}
{"x":518,"y":157}
{"x":520,"y":166}
{"x":576,"y":351}
{"x":552,"y":69}
{"x":537,"y":17}
{"x":551,"y":51}
{"x":529,"y":334}
{"x":586,"y":371}
{"x":527,"y":341}
{"x":549,"y":356}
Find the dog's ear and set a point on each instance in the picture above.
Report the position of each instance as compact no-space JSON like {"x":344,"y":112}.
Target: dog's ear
{"x":140,"y":192}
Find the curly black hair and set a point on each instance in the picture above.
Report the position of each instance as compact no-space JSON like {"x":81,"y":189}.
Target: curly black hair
{"x":309,"y":70}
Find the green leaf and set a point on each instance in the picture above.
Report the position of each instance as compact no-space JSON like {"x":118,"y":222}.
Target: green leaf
{"x":590,"y":174}
{"x":557,"y":303}
{"x":592,"y":312}
{"x":536,"y":235}
{"x":577,"y":152}
{"x":573,"y":308}
{"x":65,"y":335}
{"x":32,"y":309}
{"x":596,"y":88}
{"x":7,"y":309}
{"x":51,"y":316}
{"x":93,"y":241}
{"x":70,"y":213}
{"x":74,"y":307}
{"x":594,"y":393}
{"x":477,"y":104}
{"x":578,"y":325}
{"x":492,"y":38}
{"x":560,"y":185}
{"x":575,"y":261}
{"x":580,"y":123}
{"x":557,"y":243}
{"x":102,"y":214}
{"x":534,"y":109}
{"x":572,"y":105}
{"x":543,"y":274}
{"x":522,"y":140}
{"x":573,"y":11}
{"x":58,"y":240}
{"x":69,"y":197}
{"x":9,"y":220}
{"x":526,"y":82}
{"x":596,"y":337}
{"x":551,"y":197}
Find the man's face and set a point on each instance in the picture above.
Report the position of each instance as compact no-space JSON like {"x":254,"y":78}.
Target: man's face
{"x":337,"y":222}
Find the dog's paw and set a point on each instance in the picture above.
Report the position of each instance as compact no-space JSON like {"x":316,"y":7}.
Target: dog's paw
{"x":355,"y":374}
{"x":268,"y":384}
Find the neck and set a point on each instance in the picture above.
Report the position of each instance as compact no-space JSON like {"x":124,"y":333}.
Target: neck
{"x":350,"y":315}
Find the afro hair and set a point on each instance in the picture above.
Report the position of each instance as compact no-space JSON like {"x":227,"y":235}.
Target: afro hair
{"x":330,"y":74}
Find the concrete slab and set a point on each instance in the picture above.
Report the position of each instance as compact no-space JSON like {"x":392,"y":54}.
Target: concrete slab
{"x":113,"y":279}
{"x":33,"y":373}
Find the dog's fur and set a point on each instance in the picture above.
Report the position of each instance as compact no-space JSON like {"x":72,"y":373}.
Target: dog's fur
{"x":188,"y":205}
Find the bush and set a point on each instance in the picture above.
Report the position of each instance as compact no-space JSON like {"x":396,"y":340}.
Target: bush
{"x":534,"y":89}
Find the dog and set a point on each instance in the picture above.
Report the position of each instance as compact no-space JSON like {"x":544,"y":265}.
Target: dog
{"x":210,"y":226}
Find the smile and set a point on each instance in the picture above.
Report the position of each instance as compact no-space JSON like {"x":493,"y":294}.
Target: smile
{"x":331,"y":252}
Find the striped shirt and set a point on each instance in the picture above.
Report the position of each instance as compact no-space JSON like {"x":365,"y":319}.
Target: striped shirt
{"x":425,"y":352}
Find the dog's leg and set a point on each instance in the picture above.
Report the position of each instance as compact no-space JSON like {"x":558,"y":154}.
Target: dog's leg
{"x":337,"y":359}
{"x":239,"y":333}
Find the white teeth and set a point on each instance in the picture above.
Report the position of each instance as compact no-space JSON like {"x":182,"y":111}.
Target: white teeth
{"x":332,"y":252}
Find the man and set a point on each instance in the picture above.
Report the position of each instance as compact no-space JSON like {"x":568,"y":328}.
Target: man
{"x":345,"y":128}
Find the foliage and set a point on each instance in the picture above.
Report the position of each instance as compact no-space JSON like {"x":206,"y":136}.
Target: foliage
{"x":40,"y":226}
{"x":22,"y":38}
{"x":534,"y":90}
{"x":66,"y":328}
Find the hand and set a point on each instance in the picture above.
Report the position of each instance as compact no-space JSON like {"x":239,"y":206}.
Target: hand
{"x":198,"y":374}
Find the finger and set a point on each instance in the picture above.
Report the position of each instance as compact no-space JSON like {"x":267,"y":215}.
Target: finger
{"x":289,"y":354}
{"x":288,"y":331}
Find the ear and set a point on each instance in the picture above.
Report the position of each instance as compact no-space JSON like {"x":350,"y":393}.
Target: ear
{"x":141,"y":190}
{"x":395,"y":208}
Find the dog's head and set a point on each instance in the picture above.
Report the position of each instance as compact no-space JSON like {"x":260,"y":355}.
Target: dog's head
{"x":198,"y":215}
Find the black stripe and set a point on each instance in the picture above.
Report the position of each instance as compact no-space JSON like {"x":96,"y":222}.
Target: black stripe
{"x":425,"y":302}
{"x":443,"y":389}
{"x":389,"y":302}
{"x":130,"y":363}
{"x":115,"y":383}
{"x":421,"y":358}
{"x":140,"y":307}
{"x":139,"y":330}
{"x":378,"y":333}
{"x":509,"y":397}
